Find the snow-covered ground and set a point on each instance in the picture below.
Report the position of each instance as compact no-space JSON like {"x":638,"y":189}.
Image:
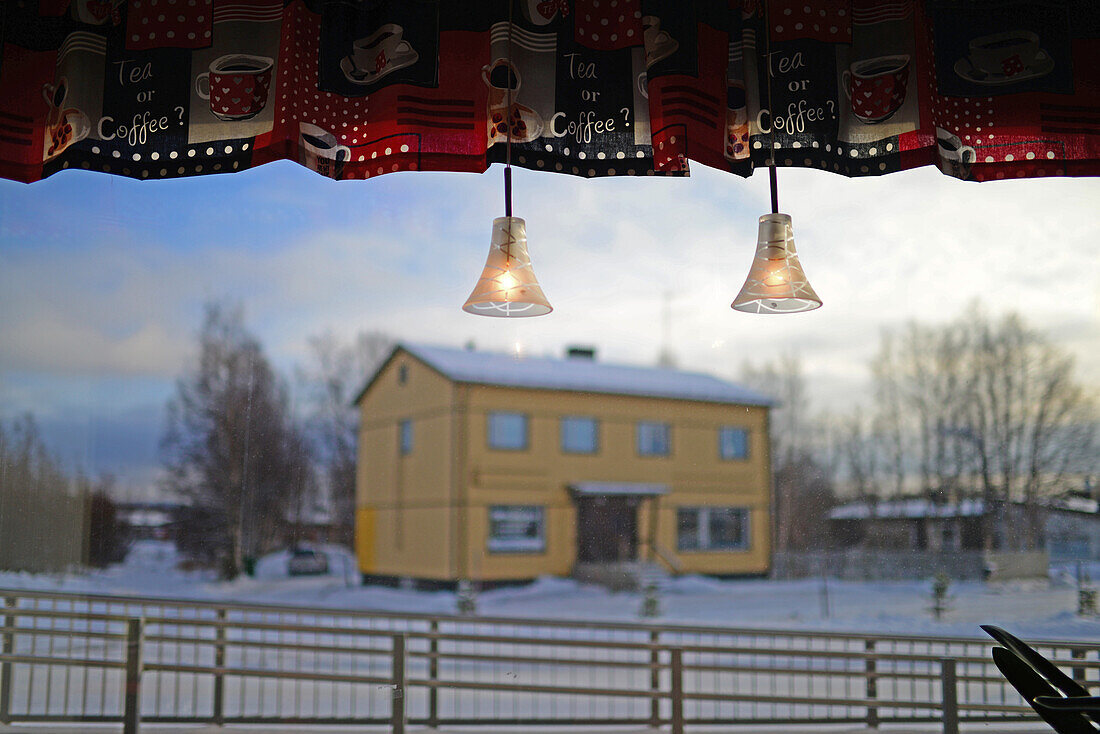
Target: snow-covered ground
{"x":1035,"y":609}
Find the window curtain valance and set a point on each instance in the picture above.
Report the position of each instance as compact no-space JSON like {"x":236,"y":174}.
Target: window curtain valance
{"x":359,"y":88}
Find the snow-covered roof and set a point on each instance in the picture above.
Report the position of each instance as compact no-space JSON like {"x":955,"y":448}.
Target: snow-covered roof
{"x":579,"y":374}
{"x":1076,"y":504}
{"x":903,"y":508}
{"x":917,"y":508}
{"x":146,"y":518}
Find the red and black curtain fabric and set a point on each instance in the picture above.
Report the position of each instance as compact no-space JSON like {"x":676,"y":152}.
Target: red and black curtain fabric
{"x":359,"y":88}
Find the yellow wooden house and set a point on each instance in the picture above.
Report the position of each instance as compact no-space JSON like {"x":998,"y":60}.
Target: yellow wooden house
{"x":495,"y":468}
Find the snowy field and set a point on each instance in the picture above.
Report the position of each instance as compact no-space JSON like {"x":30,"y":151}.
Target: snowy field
{"x":1037,"y":609}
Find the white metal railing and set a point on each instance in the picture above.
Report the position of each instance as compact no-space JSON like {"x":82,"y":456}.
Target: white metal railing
{"x":77,"y":657}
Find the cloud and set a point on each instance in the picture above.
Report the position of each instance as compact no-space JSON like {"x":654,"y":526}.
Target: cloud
{"x":631,"y":265}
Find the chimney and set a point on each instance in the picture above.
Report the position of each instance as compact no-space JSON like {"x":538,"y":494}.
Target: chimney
{"x":588,"y":353}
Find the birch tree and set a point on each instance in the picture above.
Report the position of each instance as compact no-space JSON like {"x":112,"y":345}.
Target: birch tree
{"x":336,"y":371}
{"x":231,"y":445}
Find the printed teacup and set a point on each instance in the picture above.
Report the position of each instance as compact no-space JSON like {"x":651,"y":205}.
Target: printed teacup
{"x":319,"y":150}
{"x":503,"y":80}
{"x":96,"y":12}
{"x":737,"y":121}
{"x":236,"y":85}
{"x":501,"y":76}
{"x":541,"y":12}
{"x":955,"y":158}
{"x":68,"y":127}
{"x":876,"y":87}
{"x":55,"y":96}
{"x":1004,"y":54}
{"x":373,"y":53}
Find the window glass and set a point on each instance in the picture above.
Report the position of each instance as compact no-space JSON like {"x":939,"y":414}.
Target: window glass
{"x":507,"y":431}
{"x":653,"y":439}
{"x":516,"y":529}
{"x":733,"y":443}
{"x":406,"y":437}
{"x":579,"y":435}
{"x":712,"y":528}
{"x":687,"y":528}
{"x":726,"y":527}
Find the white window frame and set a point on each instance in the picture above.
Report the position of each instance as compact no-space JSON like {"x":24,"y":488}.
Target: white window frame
{"x":512,"y":544}
{"x":704,"y":544}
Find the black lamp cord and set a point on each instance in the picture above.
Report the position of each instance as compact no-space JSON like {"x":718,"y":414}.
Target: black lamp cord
{"x":771,"y":114}
{"x":508,"y":124}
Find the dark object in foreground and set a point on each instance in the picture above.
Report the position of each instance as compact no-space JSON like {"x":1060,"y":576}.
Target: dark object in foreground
{"x":1061,"y":701}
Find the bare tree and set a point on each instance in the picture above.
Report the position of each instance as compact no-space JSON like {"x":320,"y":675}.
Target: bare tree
{"x":982,"y":407}
{"x":1028,"y":422}
{"x":862,"y":449}
{"x":802,"y":484}
{"x":336,"y":371}
{"x":42,"y":518}
{"x":231,"y":445}
{"x":921,"y":391}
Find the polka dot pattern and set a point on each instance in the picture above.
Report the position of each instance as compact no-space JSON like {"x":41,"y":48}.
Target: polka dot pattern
{"x":823,"y":20}
{"x":375,"y":134}
{"x":114,"y":157}
{"x":607,"y":24}
{"x":300,"y":99}
{"x":169,"y":24}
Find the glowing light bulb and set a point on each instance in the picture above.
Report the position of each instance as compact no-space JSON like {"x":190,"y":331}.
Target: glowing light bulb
{"x":776,"y":278}
{"x":507,"y":286}
{"x":507,"y":281}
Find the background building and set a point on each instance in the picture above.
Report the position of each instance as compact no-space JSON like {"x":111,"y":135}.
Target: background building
{"x":495,"y":468}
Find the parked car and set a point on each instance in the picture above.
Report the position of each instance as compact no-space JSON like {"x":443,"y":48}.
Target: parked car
{"x":306,"y":562}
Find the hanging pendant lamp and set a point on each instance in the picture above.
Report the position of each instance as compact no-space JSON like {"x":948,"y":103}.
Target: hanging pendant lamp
{"x":776,"y":281}
{"x":508,"y":287}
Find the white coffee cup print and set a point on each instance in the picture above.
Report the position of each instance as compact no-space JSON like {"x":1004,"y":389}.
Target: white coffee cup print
{"x":377,"y":55}
{"x":954,"y":157}
{"x":70,"y":126}
{"x":1004,"y":58}
{"x":320,"y":151}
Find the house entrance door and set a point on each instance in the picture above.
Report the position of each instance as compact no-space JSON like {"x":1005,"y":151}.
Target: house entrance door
{"x":607,"y":529}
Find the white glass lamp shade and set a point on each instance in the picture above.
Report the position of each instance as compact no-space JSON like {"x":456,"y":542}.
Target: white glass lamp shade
{"x":776,"y":282}
{"x":508,"y":286}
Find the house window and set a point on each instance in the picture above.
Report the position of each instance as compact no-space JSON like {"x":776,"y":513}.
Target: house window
{"x":508,"y":431}
{"x":579,"y":435}
{"x":517,"y":529}
{"x":653,"y":439}
{"x":402,"y":374}
{"x":733,"y":443}
{"x":406,"y":437}
{"x":712,"y":528}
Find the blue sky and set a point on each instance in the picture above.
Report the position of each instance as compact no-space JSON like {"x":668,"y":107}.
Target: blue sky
{"x":102,"y":279}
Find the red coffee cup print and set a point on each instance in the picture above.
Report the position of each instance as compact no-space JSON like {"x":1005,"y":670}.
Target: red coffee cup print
{"x":876,"y":87}
{"x":236,"y":86}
